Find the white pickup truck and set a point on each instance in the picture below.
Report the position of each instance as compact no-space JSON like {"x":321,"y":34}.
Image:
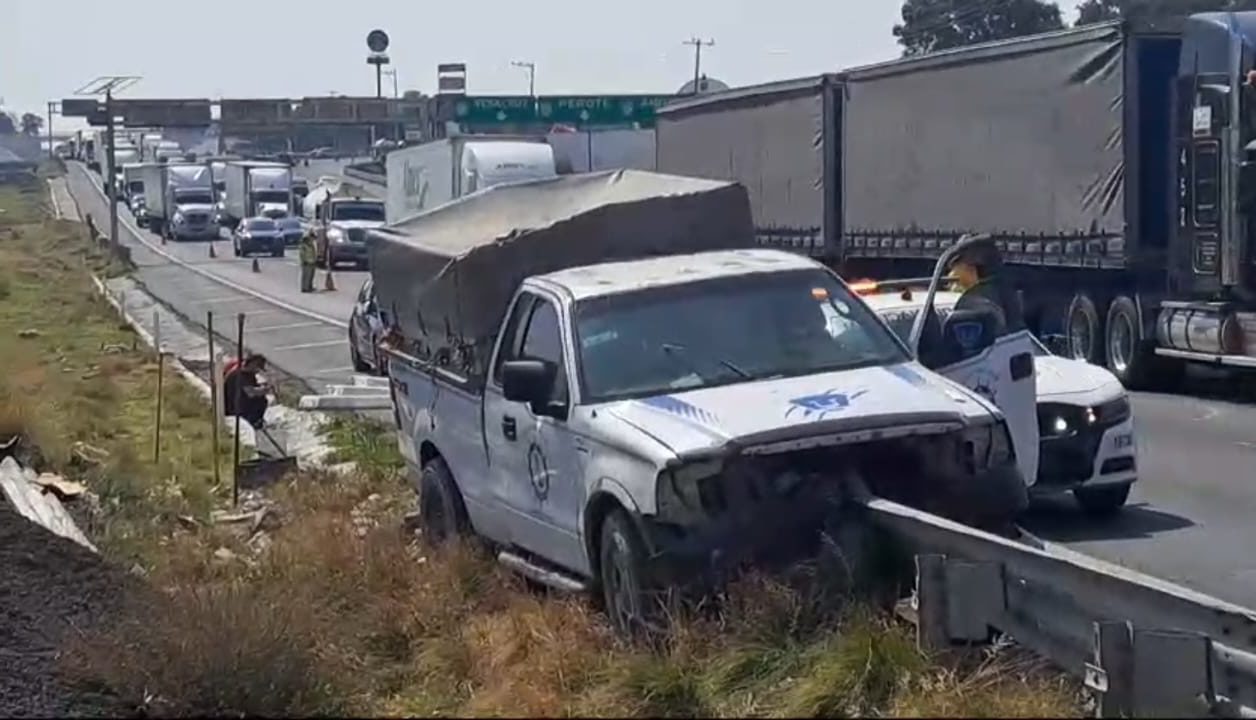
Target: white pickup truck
{"x":586,"y":377}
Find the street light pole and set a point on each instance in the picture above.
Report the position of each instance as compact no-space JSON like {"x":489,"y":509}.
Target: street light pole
{"x":531,"y":68}
{"x":697,"y":44}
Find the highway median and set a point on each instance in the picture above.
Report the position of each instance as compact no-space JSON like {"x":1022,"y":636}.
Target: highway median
{"x":310,"y":598}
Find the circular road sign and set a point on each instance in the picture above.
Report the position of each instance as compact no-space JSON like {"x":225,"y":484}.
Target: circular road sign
{"x":377,"y":41}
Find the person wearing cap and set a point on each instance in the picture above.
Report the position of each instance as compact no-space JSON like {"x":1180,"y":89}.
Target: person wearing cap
{"x":974,"y":272}
{"x":308,"y":255}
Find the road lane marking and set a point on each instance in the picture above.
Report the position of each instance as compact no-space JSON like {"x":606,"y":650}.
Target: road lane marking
{"x":1244,"y":443}
{"x":289,"y":326}
{"x":306,"y":346}
{"x":135,"y":232}
{"x":333,"y":371}
{"x":216,"y":299}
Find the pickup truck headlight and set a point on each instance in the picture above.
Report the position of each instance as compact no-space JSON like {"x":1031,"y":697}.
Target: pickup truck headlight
{"x":678,"y":491}
{"x":988,"y":445}
{"x":336,"y":235}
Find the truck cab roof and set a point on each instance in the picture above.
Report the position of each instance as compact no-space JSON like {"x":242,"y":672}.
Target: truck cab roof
{"x":613,"y":278}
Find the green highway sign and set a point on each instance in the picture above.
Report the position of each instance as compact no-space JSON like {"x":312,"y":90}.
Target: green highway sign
{"x":565,"y":109}
{"x":601,"y":109}
{"x":490,"y":109}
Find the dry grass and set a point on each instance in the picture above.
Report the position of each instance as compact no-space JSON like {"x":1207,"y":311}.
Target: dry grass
{"x":337,"y":618}
{"x":342,"y":614}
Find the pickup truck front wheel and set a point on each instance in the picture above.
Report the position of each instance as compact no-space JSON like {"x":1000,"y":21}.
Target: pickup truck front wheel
{"x":625,"y":576}
{"x":441,"y":511}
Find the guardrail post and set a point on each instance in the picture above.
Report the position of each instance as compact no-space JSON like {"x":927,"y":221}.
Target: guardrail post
{"x":1111,"y":671}
{"x":932,"y":633}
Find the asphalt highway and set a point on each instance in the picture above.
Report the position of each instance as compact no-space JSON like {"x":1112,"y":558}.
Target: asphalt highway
{"x":1190,"y":519}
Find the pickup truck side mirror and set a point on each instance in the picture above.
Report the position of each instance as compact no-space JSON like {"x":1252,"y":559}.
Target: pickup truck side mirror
{"x":531,"y":382}
{"x":966,"y":333}
{"x":1247,"y":186}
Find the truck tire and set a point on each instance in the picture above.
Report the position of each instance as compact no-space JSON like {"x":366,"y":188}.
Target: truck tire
{"x":354,"y":355}
{"x":1082,"y":328}
{"x":1104,"y":500}
{"x":441,"y":511}
{"x":624,"y":576}
{"x":1132,"y":357}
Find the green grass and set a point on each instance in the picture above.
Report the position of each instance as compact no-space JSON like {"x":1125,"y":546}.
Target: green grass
{"x":76,"y":379}
{"x":370,"y":445}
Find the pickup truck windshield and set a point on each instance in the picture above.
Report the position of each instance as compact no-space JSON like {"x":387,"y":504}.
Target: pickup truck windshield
{"x":723,"y":331}
{"x":358,"y":211}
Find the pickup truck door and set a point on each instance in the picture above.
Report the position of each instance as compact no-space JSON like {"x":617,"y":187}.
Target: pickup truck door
{"x":994,"y":360}
{"x":534,"y":460}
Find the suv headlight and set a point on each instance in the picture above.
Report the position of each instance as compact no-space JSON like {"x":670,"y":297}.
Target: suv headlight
{"x":1057,"y":420}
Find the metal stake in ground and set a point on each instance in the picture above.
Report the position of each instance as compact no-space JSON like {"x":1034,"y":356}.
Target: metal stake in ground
{"x":235,"y":451}
{"x":161,"y":372}
{"x":213,"y":396}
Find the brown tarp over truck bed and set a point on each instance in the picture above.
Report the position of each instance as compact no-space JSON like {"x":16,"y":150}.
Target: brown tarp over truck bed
{"x":446,"y":277}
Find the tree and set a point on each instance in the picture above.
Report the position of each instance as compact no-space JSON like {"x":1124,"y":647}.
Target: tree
{"x":32,"y":124}
{"x":1153,"y":11}
{"x":7,"y":126}
{"x":932,"y":25}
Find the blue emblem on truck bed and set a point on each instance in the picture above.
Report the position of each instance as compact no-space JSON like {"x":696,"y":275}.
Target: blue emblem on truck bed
{"x":817,"y":406}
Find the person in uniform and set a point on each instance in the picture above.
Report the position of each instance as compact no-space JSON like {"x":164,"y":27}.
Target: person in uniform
{"x":975,"y":273}
{"x":308,"y":255}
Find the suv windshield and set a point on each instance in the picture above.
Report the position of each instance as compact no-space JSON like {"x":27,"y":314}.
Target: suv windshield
{"x":723,"y":331}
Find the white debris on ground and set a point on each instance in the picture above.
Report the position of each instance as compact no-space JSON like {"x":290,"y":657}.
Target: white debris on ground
{"x":35,"y":497}
{"x":299,"y":432}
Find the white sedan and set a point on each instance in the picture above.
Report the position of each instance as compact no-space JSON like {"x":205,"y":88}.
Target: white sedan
{"x":1085,"y":424}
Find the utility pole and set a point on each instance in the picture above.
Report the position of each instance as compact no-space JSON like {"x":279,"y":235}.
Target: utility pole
{"x":108,"y":85}
{"x":51,"y":107}
{"x":697,"y":44}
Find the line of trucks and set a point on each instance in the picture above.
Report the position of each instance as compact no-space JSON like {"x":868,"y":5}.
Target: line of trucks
{"x":185,"y":200}
{"x":1114,"y":164}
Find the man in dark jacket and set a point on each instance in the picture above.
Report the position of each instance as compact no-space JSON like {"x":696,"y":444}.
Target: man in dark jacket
{"x":242,"y":384}
{"x":976,"y":274}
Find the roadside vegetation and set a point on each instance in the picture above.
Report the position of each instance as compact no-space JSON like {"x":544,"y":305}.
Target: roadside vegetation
{"x":330,"y":608}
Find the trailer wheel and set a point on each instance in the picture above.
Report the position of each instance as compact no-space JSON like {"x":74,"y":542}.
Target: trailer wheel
{"x":1132,"y":357}
{"x":1081,"y":326}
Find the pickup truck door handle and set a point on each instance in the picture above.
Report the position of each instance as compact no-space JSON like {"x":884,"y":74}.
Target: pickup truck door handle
{"x":508,"y":427}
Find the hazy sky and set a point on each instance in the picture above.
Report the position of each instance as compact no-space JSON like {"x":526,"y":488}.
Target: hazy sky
{"x":268,"y":48}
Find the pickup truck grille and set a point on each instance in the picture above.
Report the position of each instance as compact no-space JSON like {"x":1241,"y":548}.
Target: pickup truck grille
{"x":196,"y":218}
{"x":356,"y":235}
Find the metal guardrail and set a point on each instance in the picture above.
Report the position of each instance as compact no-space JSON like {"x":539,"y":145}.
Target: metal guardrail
{"x":1147,"y":647}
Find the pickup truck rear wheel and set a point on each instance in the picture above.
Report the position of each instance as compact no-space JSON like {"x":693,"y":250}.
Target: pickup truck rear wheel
{"x":625,"y":575}
{"x":441,"y":511}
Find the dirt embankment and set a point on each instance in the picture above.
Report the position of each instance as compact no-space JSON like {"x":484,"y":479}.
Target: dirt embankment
{"x":49,"y":587}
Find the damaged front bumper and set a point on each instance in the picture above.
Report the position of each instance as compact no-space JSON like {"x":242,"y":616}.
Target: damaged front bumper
{"x":718,"y":514}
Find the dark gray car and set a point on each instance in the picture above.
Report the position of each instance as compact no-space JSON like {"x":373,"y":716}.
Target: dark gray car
{"x":258,"y":234}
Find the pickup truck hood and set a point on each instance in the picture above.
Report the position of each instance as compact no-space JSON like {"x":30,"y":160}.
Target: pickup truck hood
{"x":694,"y":421}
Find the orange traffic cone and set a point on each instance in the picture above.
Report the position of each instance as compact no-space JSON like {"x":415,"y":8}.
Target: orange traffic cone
{"x":256,"y":267}
{"x":328,"y":283}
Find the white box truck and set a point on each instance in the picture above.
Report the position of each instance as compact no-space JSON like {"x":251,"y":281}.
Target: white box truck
{"x":425,"y":176}
{"x":256,"y":188}
{"x":179,"y":200}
